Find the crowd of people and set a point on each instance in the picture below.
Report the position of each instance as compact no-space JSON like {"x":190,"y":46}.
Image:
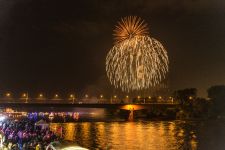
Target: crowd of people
{"x":23,"y":134}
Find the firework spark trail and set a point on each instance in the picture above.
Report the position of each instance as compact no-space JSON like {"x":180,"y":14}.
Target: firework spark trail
{"x":136,"y":61}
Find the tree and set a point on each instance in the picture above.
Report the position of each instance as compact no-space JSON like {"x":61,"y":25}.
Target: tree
{"x":200,"y":107}
{"x":186,"y":95}
{"x":217,"y":96}
{"x":186,"y":98}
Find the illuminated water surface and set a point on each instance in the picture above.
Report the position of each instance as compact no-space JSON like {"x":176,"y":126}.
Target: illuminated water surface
{"x":145,"y":135}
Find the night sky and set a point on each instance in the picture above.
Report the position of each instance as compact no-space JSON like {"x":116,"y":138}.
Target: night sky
{"x":56,"y":45}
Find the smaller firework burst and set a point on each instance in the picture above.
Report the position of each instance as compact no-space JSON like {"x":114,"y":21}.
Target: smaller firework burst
{"x":130,"y":27}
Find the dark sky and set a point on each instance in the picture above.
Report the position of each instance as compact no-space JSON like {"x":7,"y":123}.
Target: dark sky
{"x":56,"y":45}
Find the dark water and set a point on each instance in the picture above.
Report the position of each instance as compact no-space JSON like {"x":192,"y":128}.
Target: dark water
{"x":147,"y":135}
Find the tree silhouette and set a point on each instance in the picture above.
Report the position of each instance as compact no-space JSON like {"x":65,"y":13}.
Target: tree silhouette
{"x":186,"y":95}
{"x":217,"y":96}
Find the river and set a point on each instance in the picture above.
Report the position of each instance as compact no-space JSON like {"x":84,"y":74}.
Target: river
{"x":146,"y":135}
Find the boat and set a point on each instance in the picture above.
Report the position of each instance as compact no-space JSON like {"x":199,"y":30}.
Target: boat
{"x":64,"y":145}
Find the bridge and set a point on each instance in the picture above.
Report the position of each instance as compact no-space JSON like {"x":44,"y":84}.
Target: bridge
{"x":71,"y":106}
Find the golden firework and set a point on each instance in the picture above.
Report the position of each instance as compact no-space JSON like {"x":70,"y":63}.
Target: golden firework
{"x":136,"y":61}
{"x":129,"y":27}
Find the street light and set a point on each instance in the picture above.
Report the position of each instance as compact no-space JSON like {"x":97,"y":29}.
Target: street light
{"x":171,"y":98}
{"x":114,"y":97}
{"x":8,"y":95}
{"x":41,"y":96}
{"x":138,"y":98}
{"x":25,"y":96}
{"x":56,"y":96}
{"x":159,"y":99}
{"x":101,"y":97}
{"x":190,"y":97}
{"x":72,"y":97}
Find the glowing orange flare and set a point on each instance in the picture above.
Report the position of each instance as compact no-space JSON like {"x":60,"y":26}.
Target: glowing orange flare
{"x":129,"y":27}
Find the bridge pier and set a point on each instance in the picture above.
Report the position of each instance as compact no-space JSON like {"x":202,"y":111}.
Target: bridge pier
{"x":131,"y":115}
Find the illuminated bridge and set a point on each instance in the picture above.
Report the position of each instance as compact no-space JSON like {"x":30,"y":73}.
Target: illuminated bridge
{"x":70,"y":106}
{"x":67,"y":106}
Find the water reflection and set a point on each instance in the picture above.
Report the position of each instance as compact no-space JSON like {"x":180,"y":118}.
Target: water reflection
{"x":162,"y":135}
{"x":69,"y":131}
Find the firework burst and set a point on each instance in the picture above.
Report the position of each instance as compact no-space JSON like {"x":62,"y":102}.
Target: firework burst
{"x":136,"y":61}
{"x":129,"y":27}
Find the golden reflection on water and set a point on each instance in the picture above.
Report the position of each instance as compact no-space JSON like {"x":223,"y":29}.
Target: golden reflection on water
{"x":69,"y":130}
{"x":130,"y":135}
{"x":85,"y":130}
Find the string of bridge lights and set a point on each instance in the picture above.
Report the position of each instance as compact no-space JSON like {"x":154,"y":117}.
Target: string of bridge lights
{"x":73,"y":96}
